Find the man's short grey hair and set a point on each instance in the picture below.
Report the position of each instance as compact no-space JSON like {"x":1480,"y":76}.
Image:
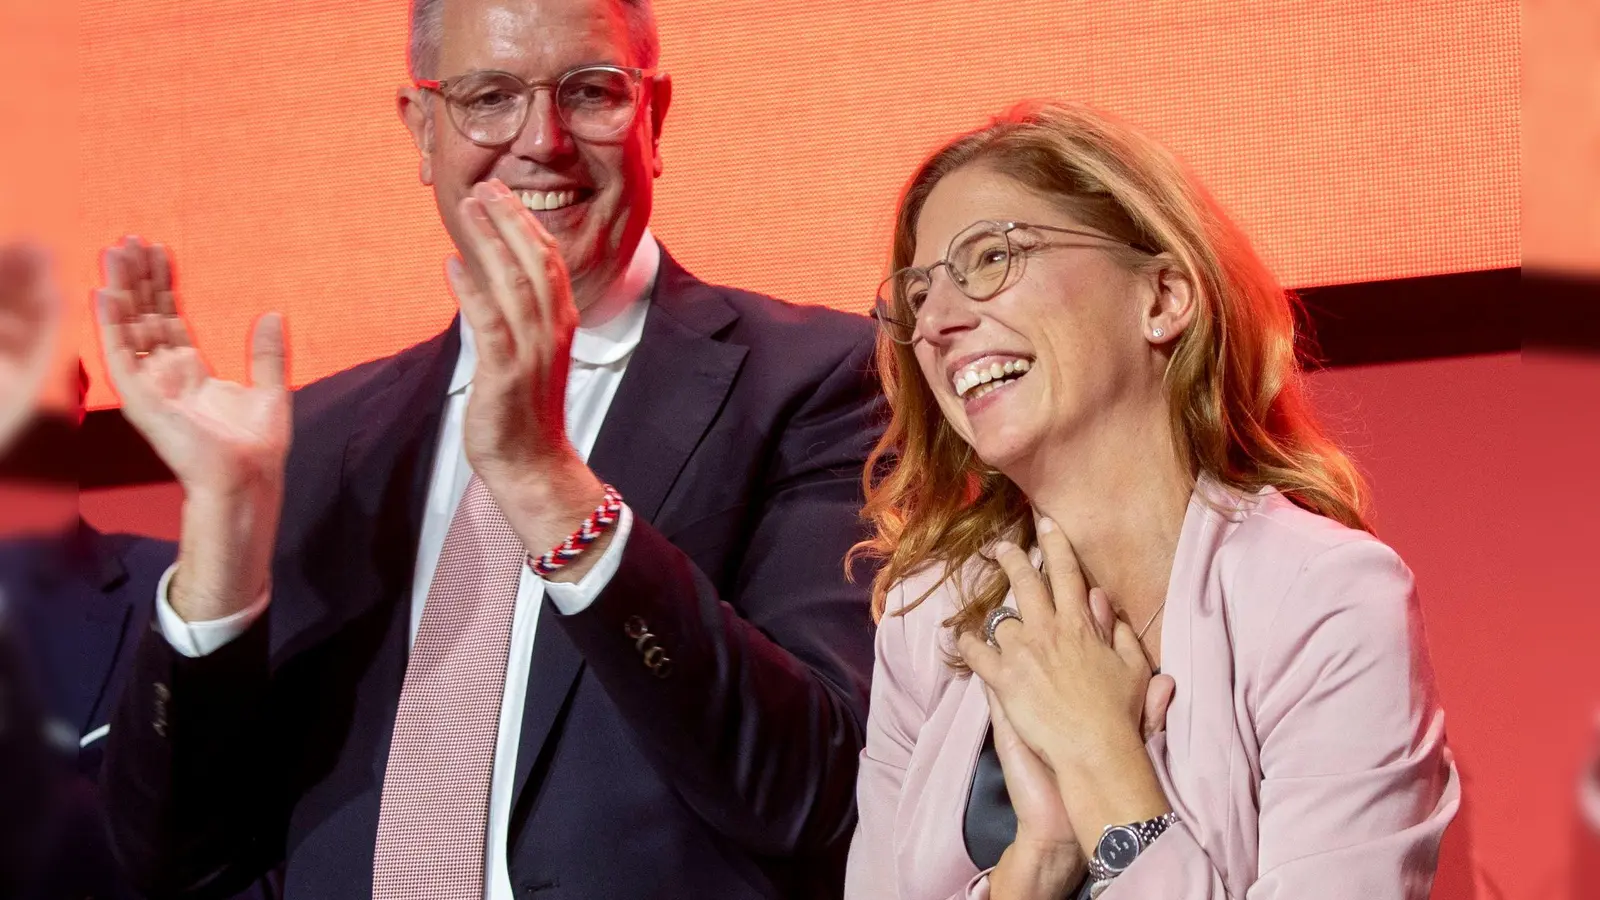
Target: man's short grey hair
{"x":427,"y":32}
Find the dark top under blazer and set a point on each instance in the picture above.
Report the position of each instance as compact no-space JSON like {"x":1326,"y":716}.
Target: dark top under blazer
{"x":738,"y":437}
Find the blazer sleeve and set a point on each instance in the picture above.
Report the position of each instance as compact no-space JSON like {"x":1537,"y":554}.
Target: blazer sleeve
{"x":189,"y":777}
{"x":758,"y":722}
{"x":1357,"y":783}
{"x":894,"y":724}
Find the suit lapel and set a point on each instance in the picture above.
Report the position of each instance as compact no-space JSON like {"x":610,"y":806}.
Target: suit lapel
{"x":1197,"y":651}
{"x":386,"y":472}
{"x":676,"y":381}
{"x":101,"y":615}
{"x":403,"y":413}
{"x":62,"y":591}
{"x":388,"y":462}
{"x":361,"y":550}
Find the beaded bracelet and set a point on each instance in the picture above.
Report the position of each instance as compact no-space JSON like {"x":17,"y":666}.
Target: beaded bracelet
{"x":599,"y":522}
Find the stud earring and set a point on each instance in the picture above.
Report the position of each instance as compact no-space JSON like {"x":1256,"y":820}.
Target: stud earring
{"x":1157,"y":333}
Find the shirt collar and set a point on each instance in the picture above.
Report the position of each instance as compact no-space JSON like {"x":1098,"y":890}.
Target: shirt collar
{"x":608,"y":330}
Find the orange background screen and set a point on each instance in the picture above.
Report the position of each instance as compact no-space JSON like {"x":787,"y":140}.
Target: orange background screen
{"x":1354,"y":141}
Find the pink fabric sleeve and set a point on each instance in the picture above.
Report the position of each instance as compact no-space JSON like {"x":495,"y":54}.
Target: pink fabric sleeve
{"x":894,"y":722}
{"x":1357,"y":783}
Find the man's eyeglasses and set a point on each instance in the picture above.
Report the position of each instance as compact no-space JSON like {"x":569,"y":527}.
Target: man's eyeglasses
{"x":980,"y":260}
{"x":595,"y":103}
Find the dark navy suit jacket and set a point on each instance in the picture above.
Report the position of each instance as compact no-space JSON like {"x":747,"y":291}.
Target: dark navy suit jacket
{"x":738,"y":436}
{"x":78,"y":604}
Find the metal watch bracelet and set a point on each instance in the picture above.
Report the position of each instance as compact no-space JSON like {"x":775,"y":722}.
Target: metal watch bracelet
{"x":1120,"y":845}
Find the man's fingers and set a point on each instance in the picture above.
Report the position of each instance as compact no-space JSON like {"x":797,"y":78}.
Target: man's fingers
{"x":511,"y":284}
{"x":130,"y":269}
{"x":162,"y":277}
{"x":489,"y":327}
{"x":30,"y":310}
{"x":114,"y":268}
{"x":1027,"y":587}
{"x":119,"y":358}
{"x":497,"y":282}
{"x":530,"y":246}
{"x":1157,"y":699}
{"x":137,"y":258}
{"x":269,"y":353}
{"x":480,"y":234}
{"x":133,"y":260}
{"x":27,"y":289}
{"x":164,"y":300}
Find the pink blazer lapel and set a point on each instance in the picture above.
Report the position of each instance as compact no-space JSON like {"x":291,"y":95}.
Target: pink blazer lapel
{"x":1196,"y":651}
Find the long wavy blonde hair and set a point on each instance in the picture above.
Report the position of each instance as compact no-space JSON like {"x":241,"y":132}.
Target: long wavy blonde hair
{"x":1239,"y":410}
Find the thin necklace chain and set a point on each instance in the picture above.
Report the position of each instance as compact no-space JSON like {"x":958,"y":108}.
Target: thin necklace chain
{"x":1140,"y":635}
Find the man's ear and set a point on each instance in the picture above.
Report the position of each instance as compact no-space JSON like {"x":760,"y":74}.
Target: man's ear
{"x":660,"y":98}
{"x":415,"y":108}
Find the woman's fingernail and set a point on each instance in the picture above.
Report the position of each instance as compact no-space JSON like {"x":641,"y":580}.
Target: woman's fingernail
{"x":1047,"y":525}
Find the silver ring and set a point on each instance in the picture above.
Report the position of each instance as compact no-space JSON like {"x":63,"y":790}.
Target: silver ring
{"x":992,"y":621}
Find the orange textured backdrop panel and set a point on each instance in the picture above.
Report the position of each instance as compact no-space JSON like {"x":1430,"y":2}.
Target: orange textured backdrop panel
{"x":1355,"y":141}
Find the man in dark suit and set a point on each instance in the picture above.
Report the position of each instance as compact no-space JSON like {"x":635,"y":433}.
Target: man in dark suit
{"x":52,"y":680}
{"x":358,"y":669}
{"x":74,"y":603}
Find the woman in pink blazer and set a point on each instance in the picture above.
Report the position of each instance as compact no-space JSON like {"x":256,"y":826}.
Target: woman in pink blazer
{"x":1085,"y":358}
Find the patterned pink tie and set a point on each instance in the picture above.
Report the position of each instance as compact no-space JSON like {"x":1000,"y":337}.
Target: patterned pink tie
{"x":434,"y":815}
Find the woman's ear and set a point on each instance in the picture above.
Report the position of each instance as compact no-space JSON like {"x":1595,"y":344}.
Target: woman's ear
{"x":1172,"y":304}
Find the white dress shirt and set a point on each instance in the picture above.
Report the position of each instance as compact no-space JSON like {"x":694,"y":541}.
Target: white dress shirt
{"x":607,"y":334}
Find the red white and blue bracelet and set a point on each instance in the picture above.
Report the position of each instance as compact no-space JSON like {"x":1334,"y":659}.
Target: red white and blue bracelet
{"x":598,"y":523}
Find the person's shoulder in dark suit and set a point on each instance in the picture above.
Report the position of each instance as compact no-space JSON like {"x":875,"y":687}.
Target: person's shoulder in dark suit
{"x":76,"y":605}
{"x":808,"y":343}
{"x":80,"y":598}
{"x":794,"y":332}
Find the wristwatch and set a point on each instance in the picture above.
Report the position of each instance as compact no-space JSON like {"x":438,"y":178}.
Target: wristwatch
{"x":1120,"y":845}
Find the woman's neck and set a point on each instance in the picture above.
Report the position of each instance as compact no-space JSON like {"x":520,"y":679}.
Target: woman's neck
{"x":1119,"y":495}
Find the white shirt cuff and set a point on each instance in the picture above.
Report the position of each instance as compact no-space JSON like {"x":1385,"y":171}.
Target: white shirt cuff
{"x":574,"y":597}
{"x":194,"y":639}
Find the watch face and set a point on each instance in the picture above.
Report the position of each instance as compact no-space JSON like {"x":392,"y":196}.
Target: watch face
{"x":1118,"y":848}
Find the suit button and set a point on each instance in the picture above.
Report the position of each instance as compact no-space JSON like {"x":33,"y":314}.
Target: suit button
{"x":163,"y":694}
{"x":649,"y":646}
{"x":659,"y":663}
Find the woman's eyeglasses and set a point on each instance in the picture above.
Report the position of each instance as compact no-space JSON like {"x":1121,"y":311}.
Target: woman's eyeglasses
{"x":980,"y":261}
